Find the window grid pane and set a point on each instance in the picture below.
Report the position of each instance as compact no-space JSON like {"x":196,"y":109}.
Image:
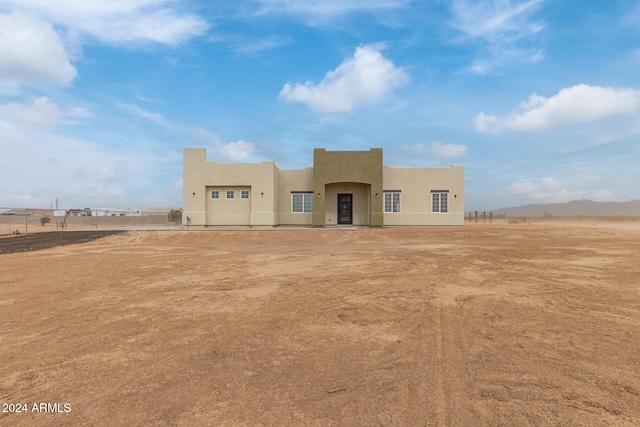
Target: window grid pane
{"x":296,"y":202}
{"x":392,"y":202}
{"x":435,"y":202}
{"x":387,"y":202}
{"x":308,"y":203}
{"x":215,"y":194}
{"x":244,"y":194}
{"x":444,"y":202}
{"x":230,"y":194}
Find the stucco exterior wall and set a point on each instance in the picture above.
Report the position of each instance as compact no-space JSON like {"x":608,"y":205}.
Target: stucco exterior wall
{"x":223,"y":211}
{"x":360,"y":202}
{"x":339,"y":167}
{"x":416,"y":185}
{"x":359,"y":173}
{"x":193,"y":194}
{"x":200,"y":175}
{"x":293,"y":180}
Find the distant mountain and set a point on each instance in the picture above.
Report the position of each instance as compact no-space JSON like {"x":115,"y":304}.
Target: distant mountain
{"x":574,"y":208}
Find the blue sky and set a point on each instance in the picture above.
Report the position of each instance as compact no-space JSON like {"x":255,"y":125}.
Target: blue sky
{"x":538,"y":99}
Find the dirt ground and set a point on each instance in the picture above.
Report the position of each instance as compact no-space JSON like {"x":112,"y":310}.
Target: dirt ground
{"x":501,"y":324}
{"x":37,"y":242}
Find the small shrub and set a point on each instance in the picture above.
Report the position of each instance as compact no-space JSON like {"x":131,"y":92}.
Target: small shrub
{"x":16,"y":232}
{"x":175,"y":215}
{"x":45,"y":220}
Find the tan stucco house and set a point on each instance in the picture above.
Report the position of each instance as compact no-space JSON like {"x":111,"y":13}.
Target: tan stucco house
{"x":342,"y":188}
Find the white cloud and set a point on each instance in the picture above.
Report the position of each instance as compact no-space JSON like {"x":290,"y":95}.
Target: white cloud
{"x":81,"y":174}
{"x":323,"y":10}
{"x":363,"y":79}
{"x":484,"y":123}
{"x":502,"y":56}
{"x":495,"y":20}
{"x":251,"y":47}
{"x":117,"y":21}
{"x":32,"y":53}
{"x":499,"y":25}
{"x":82,"y":171}
{"x":448,"y":150}
{"x":439,"y":149}
{"x":577,"y":104}
{"x":548,"y":190}
{"x":233,"y":151}
{"x":147,"y":115}
{"x":112,"y":170}
{"x":238,"y":151}
{"x":39,"y":112}
{"x":603,"y":196}
{"x":481,"y":66}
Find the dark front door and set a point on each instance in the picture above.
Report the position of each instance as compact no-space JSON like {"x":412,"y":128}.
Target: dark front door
{"x":345,"y":210}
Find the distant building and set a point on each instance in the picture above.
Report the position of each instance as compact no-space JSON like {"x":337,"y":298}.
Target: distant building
{"x":116,"y":211}
{"x":78,"y":212}
{"x":342,"y":188}
{"x":33,"y":213}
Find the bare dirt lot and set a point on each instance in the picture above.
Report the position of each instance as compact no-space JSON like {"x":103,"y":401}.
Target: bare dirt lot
{"x":487,"y":325}
{"x":37,"y":242}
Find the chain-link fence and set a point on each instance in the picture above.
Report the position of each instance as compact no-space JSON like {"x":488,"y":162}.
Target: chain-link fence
{"x":25,"y":221}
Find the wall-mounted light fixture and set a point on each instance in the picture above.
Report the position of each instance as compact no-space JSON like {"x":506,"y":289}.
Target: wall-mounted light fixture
{"x":455,"y":196}
{"x":318,"y":194}
{"x":346,"y":187}
{"x":194,"y":194}
{"x":262,"y":194}
{"x":377,"y":195}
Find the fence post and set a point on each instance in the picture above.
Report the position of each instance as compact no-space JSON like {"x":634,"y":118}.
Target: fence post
{"x":26,"y":223}
{"x":476,"y":217}
{"x":490,"y":217}
{"x":484,"y":216}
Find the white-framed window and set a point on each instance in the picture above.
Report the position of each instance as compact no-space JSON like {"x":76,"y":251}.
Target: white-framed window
{"x":231,"y":194}
{"x":439,"y":201}
{"x":302,"y":202}
{"x":215,"y":194}
{"x":244,"y":194}
{"x":392,"y":202}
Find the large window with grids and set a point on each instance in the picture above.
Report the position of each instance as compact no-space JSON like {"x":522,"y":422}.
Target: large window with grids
{"x":392,"y":202}
{"x":302,"y":202}
{"x":439,"y":201}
